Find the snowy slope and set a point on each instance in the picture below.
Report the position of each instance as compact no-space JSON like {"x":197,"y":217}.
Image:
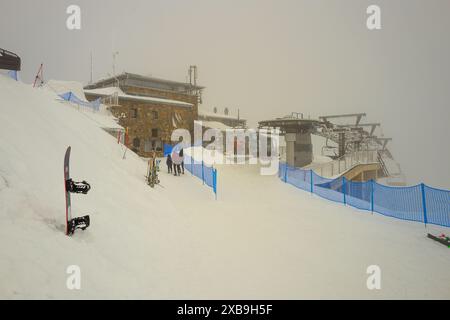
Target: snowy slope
{"x":130,"y":223}
{"x":261,"y":239}
{"x":62,"y":87}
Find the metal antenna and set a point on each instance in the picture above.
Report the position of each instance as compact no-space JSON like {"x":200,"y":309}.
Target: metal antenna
{"x":116,"y":53}
{"x":92,"y":69}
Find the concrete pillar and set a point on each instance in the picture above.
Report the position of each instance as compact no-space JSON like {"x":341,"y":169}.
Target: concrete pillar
{"x":290,"y":149}
{"x":298,"y":149}
{"x":341,"y":144}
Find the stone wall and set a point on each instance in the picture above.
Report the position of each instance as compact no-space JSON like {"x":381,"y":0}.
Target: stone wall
{"x":142,"y":119}
{"x":150,"y":124}
{"x":141,"y":91}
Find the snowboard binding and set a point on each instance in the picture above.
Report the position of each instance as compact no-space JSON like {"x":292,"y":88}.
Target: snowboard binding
{"x":77,"y":187}
{"x":78,"y":223}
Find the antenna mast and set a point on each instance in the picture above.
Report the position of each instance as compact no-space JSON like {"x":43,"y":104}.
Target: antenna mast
{"x":92,"y":69}
{"x":193,"y":76}
{"x":116,"y":53}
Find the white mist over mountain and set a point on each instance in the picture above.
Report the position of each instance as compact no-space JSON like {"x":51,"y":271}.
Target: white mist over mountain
{"x":267,"y":58}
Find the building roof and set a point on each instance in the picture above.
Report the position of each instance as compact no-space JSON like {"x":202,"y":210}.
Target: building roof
{"x":132,"y":76}
{"x":215,"y":125}
{"x":109,"y":91}
{"x":218,"y":115}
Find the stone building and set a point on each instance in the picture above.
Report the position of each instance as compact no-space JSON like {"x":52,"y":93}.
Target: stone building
{"x":150,"y":108}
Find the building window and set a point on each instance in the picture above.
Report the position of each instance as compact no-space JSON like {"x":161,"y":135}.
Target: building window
{"x":153,"y":144}
{"x":157,"y":145}
{"x":148,"y":145}
{"x":134,"y":113}
{"x":136,"y":142}
{"x":154,"y":115}
{"x":154,"y":133}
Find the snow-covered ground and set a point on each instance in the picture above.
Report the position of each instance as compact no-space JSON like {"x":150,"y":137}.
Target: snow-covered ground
{"x":261,"y":238}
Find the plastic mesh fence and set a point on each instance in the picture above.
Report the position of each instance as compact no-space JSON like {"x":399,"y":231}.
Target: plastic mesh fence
{"x":70,"y":96}
{"x":205,"y":173}
{"x":437,"y":203}
{"x":417,"y":203}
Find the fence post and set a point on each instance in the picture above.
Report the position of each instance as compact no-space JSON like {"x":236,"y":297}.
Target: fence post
{"x":285,"y":172}
{"x":424,"y":202}
{"x":371,"y":195}
{"x":203,"y":172}
{"x":344,"y":189}
{"x":312,"y":184}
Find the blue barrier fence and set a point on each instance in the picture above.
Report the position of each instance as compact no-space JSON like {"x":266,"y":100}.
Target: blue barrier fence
{"x":167,"y":149}
{"x":202,"y":171}
{"x":70,"y":96}
{"x":13,"y":74}
{"x":419,"y":203}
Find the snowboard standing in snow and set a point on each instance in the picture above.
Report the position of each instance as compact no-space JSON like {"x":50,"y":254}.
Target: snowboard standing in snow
{"x":71,"y":186}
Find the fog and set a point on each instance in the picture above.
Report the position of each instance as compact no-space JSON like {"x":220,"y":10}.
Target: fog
{"x":267,"y":58}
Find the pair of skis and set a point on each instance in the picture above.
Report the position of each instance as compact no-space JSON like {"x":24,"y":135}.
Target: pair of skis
{"x":71,"y":186}
{"x":445,"y":240}
{"x":152,"y":172}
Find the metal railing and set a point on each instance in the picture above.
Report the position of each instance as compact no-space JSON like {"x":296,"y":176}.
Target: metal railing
{"x":339,"y":166}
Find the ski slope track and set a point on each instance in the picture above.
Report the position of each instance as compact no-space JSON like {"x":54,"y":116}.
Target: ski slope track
{"x":262,"y":239}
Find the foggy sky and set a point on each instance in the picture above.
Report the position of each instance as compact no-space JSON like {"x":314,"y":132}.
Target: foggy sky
{"x":268,"y":58}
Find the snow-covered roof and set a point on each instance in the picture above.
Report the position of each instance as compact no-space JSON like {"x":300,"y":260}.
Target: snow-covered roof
{"x":143,"y":79}
{"x":108,"y":91}
{"x":216,"y":115}
{"x":215,"y":125}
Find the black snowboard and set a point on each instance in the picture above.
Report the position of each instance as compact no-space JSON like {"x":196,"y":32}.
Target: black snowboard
{"x":73,"y":187}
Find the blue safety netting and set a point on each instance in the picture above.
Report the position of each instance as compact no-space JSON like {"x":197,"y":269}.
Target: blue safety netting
{"x":13,"y":74}
{"x":208,"y":176}
{"x":328,"y":188}
{"x":417,"y":203}
{"x":167,"y":149}
{"x":202,"y":171}
{"x":399,"y":202}
{"x":282,"y":171}
{"x":358,"y":194}
{"x":437,"y":204}
{"x":299,"y":178}
{"x":71,"y":97}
